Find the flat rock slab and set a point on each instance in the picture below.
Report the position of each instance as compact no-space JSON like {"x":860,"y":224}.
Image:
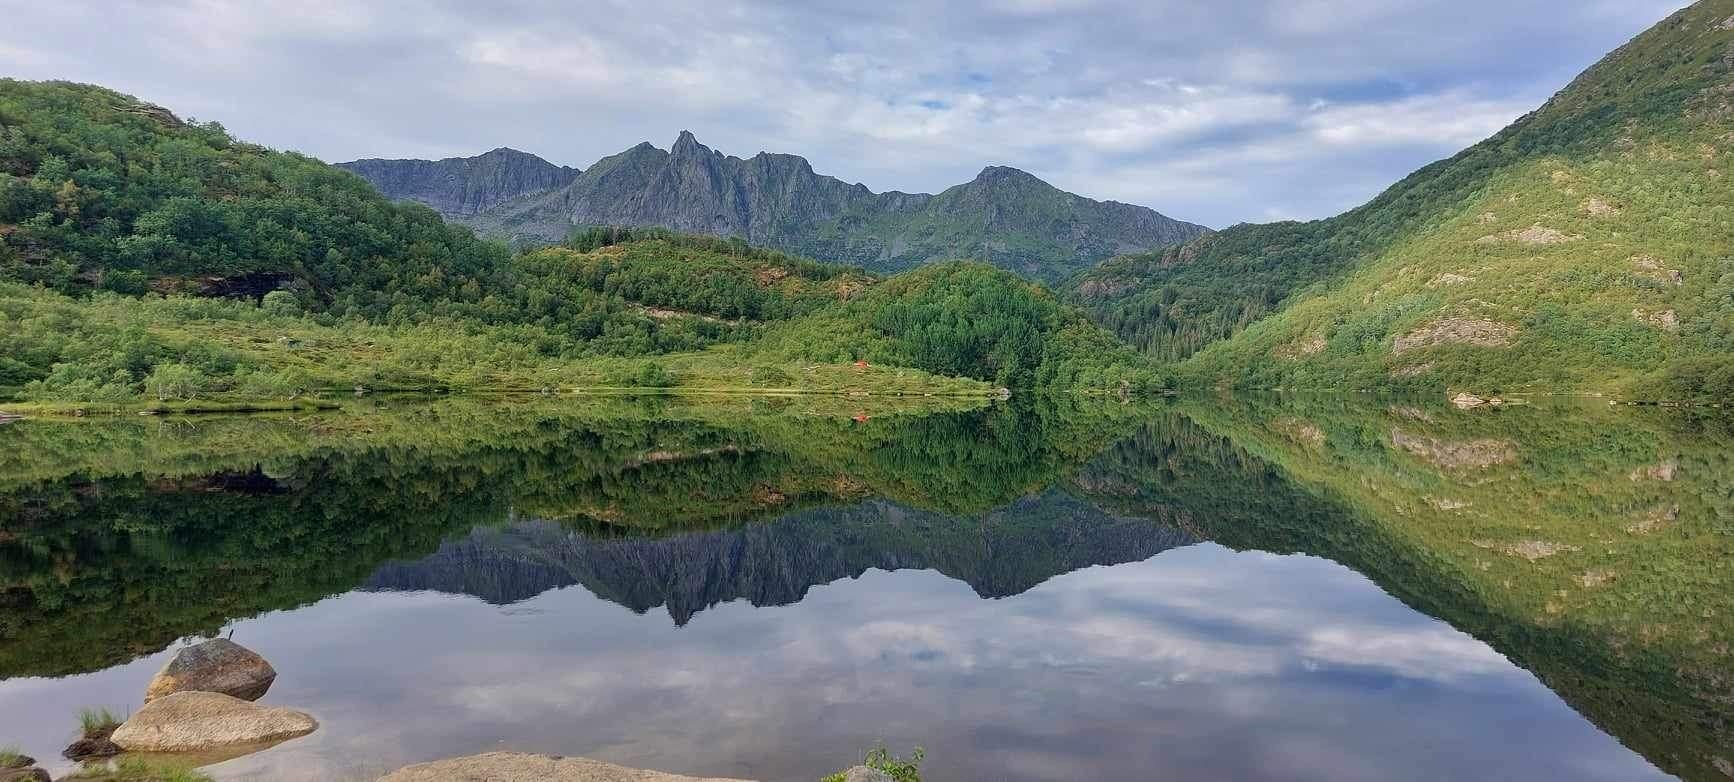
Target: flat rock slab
{"x":217,"y":665}
{"x":195,"y":721}
{"x":521,"y":767}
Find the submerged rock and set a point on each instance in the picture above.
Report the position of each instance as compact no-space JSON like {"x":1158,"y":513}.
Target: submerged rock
{"x":192,"y":721}
{"x":522,"y":767}
{"x":91,"y":747}
{"x":217,"y":665}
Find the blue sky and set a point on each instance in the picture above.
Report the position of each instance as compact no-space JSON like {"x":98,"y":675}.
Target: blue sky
{"x":1215,"y":112}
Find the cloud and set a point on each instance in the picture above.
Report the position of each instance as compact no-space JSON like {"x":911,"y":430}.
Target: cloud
{"x":1219,"y":112}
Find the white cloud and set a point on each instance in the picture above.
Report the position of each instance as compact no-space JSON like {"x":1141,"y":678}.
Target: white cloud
{"x":1216,"y":112}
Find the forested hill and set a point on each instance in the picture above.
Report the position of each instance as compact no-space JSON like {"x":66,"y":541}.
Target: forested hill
{"x":1005,"y":217}
{"x":99,"y":190}
{"x":279,"y":274}
{"x":1585,"y":246}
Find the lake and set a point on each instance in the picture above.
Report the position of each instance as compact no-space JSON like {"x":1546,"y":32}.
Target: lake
{"x":1312,"y":588}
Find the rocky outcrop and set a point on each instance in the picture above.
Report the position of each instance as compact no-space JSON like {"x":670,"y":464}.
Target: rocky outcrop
{"x":196,"y":721}
{"x":1455,"y":331}
{"x":521,"y":767}
{"x":217,"y":665}
{"x":461,"y":186}
{"x":1005,"y":216}
{"x":865,"y":774}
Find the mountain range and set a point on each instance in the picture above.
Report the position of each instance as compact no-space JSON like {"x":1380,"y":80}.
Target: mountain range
{"x":1004,"y":216}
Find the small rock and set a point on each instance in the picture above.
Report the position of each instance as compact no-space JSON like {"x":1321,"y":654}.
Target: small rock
{"x":217,"y":665}
{"x":25,"y":775}
{"x":190,"y":721}
{"x":91,"y":747}
{"x":522,"y":767}
{"x":865,"y":774}
{"x":1467,"y":401}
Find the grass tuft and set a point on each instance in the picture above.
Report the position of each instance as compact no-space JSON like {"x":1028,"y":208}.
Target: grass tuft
{"x":12,"y":757}
{"x":97,"y":722}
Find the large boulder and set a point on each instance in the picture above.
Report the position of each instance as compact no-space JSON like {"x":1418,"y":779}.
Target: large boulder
{"x":194,"y":721}
{"x":217,"y":665}
{"x":521,"y":767}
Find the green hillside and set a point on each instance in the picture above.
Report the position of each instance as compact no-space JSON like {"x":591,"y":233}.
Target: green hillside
{"x":142,"y":256}
{"x":1586,"y":247}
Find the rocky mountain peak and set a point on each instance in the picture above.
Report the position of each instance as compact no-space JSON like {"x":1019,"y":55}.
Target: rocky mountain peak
{"x":997,"y":174}
{"x":687,"y":146}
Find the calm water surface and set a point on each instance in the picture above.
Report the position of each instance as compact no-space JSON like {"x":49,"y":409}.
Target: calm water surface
{"x":1158,"y":596}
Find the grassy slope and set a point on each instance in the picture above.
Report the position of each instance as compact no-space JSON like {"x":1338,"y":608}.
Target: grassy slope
{"x":1643,"y":131}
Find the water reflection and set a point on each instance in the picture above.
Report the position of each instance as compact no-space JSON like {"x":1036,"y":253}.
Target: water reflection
{"x":450,"y":579}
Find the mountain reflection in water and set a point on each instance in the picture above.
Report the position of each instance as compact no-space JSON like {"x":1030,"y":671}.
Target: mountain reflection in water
{"x":826,"y":578}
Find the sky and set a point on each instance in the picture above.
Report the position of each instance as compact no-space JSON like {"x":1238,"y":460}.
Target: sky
{"x":1220,"y":112}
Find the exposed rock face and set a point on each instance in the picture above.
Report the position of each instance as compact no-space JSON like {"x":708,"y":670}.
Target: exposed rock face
{"x":194,"y":721}
{"x":1456,"y":331}
{"x":461,"y":186}
{"x":1666,"y":320}
{"x":1005,"y":216}
{"x":217,"y":665}
{"x":521,"y":767}
{"x":1535,"y":234}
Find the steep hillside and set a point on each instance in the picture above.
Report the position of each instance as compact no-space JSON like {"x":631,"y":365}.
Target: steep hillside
{"x":1005,"y":217}
{"x":462,"y":186}
{"x":1587,"y":246}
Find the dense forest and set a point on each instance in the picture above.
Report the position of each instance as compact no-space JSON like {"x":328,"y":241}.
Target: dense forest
{"x":144,"y":255}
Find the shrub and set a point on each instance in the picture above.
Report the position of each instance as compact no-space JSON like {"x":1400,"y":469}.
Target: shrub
{"x":175,"y":382}
{"x":879,"y":758}
{"x":280,"y":304}
{"x":653,"y":375}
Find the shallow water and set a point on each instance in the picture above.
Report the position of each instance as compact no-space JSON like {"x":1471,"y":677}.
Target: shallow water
{"x":765,"y":596}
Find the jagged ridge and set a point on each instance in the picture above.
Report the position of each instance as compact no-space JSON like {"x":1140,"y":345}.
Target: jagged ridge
{"x":1004,"y":216}
{"x":458,"y":186}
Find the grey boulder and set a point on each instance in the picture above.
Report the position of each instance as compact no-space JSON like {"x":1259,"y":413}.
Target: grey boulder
{"x":217,"y":665}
